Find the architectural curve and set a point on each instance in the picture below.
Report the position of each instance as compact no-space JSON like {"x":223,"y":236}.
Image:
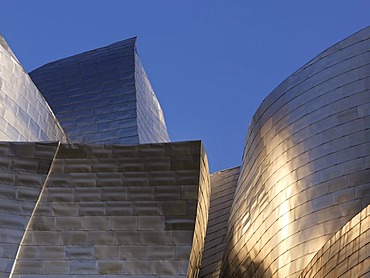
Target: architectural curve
{"x":24,"y":113}
{"x":103,"y":96}
{"x":346,"y":253}
{"x":304,"y":173}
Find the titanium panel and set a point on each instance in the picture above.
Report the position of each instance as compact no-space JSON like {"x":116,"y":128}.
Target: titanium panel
{"x":24,"y":113}
{"x":305,"y":170}
{"x":223,"y":184}
{"x":151,"y":123}
{"x":347,"y":253}
{"x":98,"y":96}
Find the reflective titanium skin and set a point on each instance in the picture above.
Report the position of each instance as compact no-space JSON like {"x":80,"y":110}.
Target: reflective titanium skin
{"x":305,"y":170}
{"x":346,"y":254}
{"x":24,"y":113}
{"x":103,"y":96}
{"x":223,"y":184}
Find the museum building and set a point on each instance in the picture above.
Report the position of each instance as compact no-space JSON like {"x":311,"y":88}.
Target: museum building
{"x":91,"y":186}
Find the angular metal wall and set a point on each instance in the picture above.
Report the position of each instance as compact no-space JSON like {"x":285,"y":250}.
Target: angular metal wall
{"x":347,"y":253}
{"x":151,"y":124}
{"x":98,"y":96}
{"x":223,"y":184}
{"x":119,"y":210}
{"x":24,"y":113}
{"x":306,"y":168}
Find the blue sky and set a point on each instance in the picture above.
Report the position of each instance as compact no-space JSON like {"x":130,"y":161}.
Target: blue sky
{"x":210,"y":62}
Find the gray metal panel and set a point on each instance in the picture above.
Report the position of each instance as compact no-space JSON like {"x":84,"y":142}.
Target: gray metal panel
{"x":305,"y":168}
{"x":223,"y":184}
{"x":24,"y":113}
{"x":98,"y":96}
{"x":347,"y":253}
{"x":151,"y":123}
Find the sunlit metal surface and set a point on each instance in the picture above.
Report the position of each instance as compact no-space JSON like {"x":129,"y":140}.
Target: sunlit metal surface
{"x":223,"y":184}
{"x":347,"y":253}
{"x":24,"y":113}
{"x":103,"y":96}
{"x":305,"y":170}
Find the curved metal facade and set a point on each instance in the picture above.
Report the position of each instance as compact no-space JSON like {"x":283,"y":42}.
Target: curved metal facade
{"x":24,"y":113}
{"x":103,"y":96}
{"x":305,"y":170}
{"x":347,"y":253}
{"x":298,"y":205}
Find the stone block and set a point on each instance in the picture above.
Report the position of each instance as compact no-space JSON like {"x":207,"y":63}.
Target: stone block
{"x":74,"y":237}
{"x":133,"y":252}
{"x":129,"y":238}
{"x":79,"y":252}
{"x":57,"y":267}
{"x":151,"y":223}
{"x":46,"y":237}
{"x":111,"y":267}
{"x":138,"y":267}
{"x":156,"y":237}
{"x":106,"y":252}
{"x":84,"y":267}
{"x":69,"y":223}
{"x":101,"y":237}
{"x":123,"y":222}
{"x":51,"y":252}
{"x":95,"y":223}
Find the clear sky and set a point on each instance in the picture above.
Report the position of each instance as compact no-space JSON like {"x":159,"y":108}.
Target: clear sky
{"x":210,"y":62}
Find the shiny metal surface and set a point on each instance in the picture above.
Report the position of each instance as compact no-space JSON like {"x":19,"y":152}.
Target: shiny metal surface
{"x":223,"y":184}
{"x":114,"y":211}
{"x":347,"y":253}
{"x":24,"y":113}
{"x":150,"y":118}
{"x":103,"y":96}
{"x":305,"y":170}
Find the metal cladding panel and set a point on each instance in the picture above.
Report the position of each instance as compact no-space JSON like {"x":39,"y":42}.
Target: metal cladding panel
{"x":23,"y":169}
{"x":113,"y":211}
{"x":98,"y":96}
{"x":347,"y":253}
{"x":151,"y":123}
{"x":305,"y":170}
{"x":24,"y":113}
{"x":223,"y":184}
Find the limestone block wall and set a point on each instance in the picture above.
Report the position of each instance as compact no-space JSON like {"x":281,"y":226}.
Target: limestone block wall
{"x":201,"y":221}
{"x":24,"y":113}
{"x":23,"y":169}
{"x":347,"y":253}
{"x":113,"y":211}
{"x":305,"y":170}
{"x":223,"y":185}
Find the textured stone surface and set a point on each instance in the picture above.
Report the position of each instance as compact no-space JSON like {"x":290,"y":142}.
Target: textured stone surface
{"x":97,"y":218}
{"x":23,"y":169}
